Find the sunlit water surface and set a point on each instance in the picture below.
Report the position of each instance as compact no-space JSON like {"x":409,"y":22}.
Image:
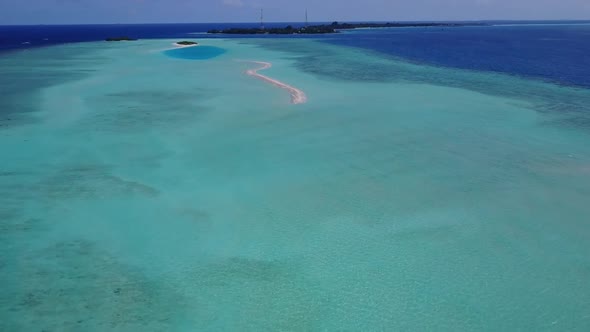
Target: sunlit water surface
{"x":139,"y":191}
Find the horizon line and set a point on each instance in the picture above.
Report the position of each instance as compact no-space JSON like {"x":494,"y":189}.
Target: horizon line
{"x":302,"y":22}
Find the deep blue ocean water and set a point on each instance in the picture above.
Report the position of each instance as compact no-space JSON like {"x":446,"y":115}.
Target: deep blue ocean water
{"x":554,"y":51}
{"x":559,"y":53}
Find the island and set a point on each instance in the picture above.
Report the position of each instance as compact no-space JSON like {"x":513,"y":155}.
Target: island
{"x":112,"y":39}
{"x":335,"y":27}
{"x":186,"y":43}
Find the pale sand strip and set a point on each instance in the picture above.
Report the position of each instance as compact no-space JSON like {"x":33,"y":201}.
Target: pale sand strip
{"x":176,"y":46}
{"x":183,"y":46}
{"x":297,"y":96}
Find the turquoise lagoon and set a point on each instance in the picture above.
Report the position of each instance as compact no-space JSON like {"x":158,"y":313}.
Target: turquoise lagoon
{"x":195,"y":52}
{"x":141,"y":192}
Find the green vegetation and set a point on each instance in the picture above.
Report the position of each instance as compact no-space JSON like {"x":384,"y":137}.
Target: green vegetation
{"x":110,"y":39}
{"x":329,"y":28}
{"x":288,"y":30}
{"x":186,"y":42}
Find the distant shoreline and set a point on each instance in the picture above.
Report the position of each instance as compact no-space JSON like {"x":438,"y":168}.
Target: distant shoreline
{"x":335,"y":27}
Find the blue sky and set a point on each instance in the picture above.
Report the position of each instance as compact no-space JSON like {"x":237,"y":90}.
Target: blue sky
{"x":154,"y":11}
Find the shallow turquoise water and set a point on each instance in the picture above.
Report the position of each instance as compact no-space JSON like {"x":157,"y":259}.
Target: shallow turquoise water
{"x":143,"y":193}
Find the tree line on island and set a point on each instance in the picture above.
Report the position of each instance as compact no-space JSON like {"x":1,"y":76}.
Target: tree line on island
{"x":186,"y":43}
{"x":180,"y":43}
{"x":335,"y":27}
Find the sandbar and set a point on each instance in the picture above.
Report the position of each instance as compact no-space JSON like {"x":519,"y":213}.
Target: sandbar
{"x":297,"y":96}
